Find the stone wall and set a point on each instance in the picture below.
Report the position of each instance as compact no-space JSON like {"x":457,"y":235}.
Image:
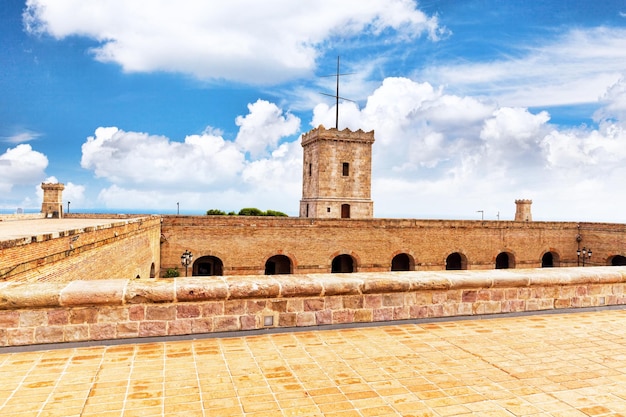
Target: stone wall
{"x":22,"y":216}
{"x":121,"y":249}
{"x":244,"y":244}
{"x":118,"y":309}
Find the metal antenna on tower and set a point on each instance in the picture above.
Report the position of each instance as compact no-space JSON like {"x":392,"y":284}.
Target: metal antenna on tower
{"x":337,"y":96}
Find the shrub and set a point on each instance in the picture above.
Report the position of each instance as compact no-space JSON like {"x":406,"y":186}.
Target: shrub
{"x":172,"y":273}
{"x":251,"y":211}
{"x":275,"y":213}
{"x":215,"y":212}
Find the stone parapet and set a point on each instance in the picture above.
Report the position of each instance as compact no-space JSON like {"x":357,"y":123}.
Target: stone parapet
{"x":41,"y":313}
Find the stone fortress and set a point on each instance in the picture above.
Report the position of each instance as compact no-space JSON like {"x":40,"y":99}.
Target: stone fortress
{"x":92,"y":277}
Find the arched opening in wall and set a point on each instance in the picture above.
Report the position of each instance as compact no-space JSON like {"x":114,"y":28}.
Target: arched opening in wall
{"x":547,"y":260}
{"x":456,"y":261}
{"x":152,"y":271}
{"x":345,"y":211}
{"x":504,"y":261}
{"x":618,"y":260}
{"x":343,"y":264}
{"x":402,"y":262}
{"x":277,"y":265}
{"x":207,"y":266}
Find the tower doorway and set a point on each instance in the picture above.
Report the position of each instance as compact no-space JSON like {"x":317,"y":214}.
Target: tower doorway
{"x":345,"y":211}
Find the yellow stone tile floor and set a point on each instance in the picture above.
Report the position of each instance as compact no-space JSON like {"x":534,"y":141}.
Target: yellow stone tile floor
{"x":564,"y":365}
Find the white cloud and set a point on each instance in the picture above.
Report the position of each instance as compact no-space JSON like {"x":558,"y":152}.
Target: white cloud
{"x":150,"y":161}
{"x":21,"y":166}
{"x":149,"y":171}
{"x":438,"y":154}
{"x":262,"y":128}
{"x":239,"y":40}
{"x":575,"y":68}
{"x":21,"y":137}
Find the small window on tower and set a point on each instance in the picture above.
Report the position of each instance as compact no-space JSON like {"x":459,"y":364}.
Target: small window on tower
{"x":346,"y":169}
{"x":310,"y":169}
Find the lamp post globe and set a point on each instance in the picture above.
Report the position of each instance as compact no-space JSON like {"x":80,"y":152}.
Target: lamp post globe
{"x":185,"y":259}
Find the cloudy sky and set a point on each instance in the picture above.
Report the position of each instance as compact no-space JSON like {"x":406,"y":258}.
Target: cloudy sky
{"x":139,"y":105}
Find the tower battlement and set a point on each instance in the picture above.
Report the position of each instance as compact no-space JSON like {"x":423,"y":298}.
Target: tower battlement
{"x":321,"y":133}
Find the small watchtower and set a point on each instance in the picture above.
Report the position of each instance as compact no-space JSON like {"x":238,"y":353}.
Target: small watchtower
{"x":52,"y":205}
{"x":337,"y":174}
{"x":522,"y":211}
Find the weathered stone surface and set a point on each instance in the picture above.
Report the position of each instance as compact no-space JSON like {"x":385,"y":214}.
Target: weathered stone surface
{"x":102,"y":292}
{"x":432,"y":281}
{"x":340,"y":284}
{"x":9,"y":319}
{"x":76,"y":333}
{"x":226,"y":324}
{"x":161,"y":313}
{"x":152,"y":328}
{"x":83,"y":315}
{"x":102,"y":331}
{"x":18,"y":296}
{"x":153,"y":291}
{"x":470,"y":279}
{"x":200,"y":289}
{"x":33,"y":318}
{"x":49,"y":334}
{"x":188,"y":311}
{"x":179,"y":327}
{"x":252,"y":287}
{"x":298,"y":286}
{"x":386,"y":283}
{"x":305,"y":319}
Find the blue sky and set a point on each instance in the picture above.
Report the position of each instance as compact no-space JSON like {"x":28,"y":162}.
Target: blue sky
{"x":140,"y":105}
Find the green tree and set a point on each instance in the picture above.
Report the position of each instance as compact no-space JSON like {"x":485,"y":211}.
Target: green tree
{"x":215,"y":212}
{"x":251,"y":211}
{"x":275,"y":213}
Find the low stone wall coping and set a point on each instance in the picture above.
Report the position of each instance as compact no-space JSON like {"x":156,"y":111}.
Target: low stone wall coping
{"x":17,"y":295}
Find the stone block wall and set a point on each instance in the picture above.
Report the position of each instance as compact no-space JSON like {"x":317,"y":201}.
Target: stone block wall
{"x":117,"y":309}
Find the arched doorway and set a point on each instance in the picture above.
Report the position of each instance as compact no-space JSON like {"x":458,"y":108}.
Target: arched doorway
{"x":547,"y":260}
{"x":618,"y":260}
{"x":277,"y":265}
{"x":456,"y":261}
{"x":504,"y":260}
{"x":207,"y":266}
{"x":342,"y":264}
{"x":345,"y":211}
{"x":402,"y":262}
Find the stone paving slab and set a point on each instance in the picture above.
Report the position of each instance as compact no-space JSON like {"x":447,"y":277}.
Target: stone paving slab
{"x":563,"y":365}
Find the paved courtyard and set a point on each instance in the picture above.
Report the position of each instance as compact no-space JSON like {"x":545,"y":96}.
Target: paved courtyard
{"x":544,"y":365}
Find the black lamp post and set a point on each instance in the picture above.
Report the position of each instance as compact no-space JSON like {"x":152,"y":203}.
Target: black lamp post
{"x":585,"y":253}
{"x":185,"y":260}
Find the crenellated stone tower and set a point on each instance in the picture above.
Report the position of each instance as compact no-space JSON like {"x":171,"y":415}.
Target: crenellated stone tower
{"x":337,"y":174}
{"x":52,"y":205}
{"x":522,"y":211}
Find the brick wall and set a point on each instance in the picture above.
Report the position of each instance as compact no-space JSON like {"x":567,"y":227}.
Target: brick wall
{"x":122,"y":249}
{"x":35,"y":313}
{"x":244,"y":244}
